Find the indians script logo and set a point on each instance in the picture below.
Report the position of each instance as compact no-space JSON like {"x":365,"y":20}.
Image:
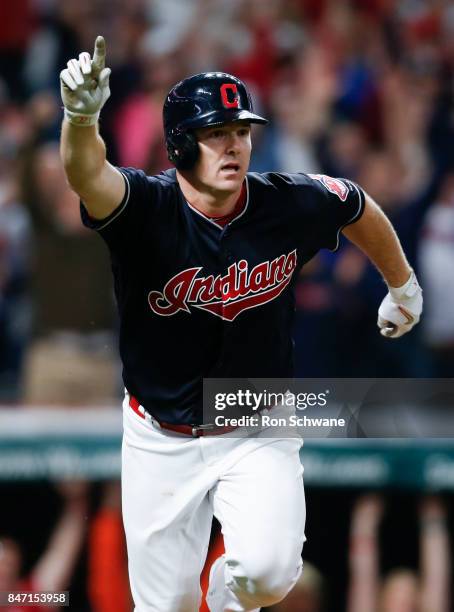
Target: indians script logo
{"x":336,"y":186}
{"x":225,"y":296}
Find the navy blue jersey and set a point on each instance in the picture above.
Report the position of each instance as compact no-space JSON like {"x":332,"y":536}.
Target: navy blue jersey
{"x":197,"y":300}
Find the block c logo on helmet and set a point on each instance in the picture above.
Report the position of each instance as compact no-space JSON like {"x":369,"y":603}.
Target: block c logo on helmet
{"x":235,"y":101}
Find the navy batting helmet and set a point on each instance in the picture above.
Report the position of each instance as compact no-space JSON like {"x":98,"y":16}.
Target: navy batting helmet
{"x":209,"y":98}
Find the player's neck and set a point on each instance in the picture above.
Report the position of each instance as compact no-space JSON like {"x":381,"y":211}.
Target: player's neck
{"x":210,"y":202}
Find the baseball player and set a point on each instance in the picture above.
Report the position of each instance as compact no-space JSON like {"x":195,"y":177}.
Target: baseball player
{"x":205,"y":258}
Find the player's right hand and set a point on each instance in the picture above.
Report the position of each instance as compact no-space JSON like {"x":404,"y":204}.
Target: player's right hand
{"x":84,"y":86}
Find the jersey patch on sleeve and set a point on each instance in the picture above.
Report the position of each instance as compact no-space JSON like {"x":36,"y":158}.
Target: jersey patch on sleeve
{"x":335,"y":186}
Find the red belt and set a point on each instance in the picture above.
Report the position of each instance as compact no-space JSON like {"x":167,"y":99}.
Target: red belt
{"x":196,"y":431}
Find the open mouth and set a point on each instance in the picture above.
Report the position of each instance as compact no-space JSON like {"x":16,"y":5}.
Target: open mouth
{"x":230,"y":167}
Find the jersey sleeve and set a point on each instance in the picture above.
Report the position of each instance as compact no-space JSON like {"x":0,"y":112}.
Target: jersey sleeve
{"x":123,"y":227}
{"x":331,"y":204}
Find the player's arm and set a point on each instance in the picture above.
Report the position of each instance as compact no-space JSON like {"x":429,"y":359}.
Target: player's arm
{"x":375,"y":236}
{"x":84,"y":90}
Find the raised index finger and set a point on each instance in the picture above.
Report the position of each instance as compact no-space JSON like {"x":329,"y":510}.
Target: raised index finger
{"x":99,"y":55}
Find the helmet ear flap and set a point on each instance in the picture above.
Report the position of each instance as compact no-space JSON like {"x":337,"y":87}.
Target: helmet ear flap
{"x":182,"y":149}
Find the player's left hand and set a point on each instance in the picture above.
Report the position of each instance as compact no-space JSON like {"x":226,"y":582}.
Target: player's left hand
{"x":401,"y":309}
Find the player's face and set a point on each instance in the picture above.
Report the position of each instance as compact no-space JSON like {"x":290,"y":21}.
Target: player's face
{"x":225,"y":152}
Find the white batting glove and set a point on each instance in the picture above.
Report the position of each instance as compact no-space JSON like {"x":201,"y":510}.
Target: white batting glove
{"x":84,"y":86}
{"x":401,"y":309}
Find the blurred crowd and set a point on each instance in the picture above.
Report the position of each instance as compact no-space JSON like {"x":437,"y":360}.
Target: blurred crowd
{"x":82,"y":550}
{"x":361,"y":89}
{"x":424,"y":587}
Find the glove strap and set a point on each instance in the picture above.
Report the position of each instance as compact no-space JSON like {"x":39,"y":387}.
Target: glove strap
{"x":407,"y":290}
{"x":80,"y":119}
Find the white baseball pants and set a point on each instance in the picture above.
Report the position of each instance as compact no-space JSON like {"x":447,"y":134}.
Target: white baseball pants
{"x":172,"y":485}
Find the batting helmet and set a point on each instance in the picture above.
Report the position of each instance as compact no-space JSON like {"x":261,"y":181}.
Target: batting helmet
{"x":209,"y":98}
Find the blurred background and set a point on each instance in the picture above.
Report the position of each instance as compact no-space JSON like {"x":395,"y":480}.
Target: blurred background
{"x":361,"y":89}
